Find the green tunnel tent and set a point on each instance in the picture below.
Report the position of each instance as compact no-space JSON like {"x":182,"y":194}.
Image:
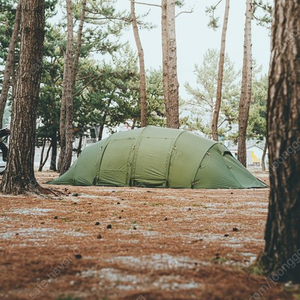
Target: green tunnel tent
{"x":158,"y":157}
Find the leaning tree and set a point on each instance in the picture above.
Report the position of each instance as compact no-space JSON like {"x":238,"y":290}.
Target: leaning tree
{"x":19,"y":175}
{"x":282,"y":249}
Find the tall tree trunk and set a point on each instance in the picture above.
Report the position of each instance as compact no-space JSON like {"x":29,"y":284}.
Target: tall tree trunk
{"x":282,"y":249}
{"x":263,"y":158}
{"x":42,"y":160}
{"x":100,"y":135}
{"x":133,"y":123}
{"x":70,"y":74}
{"x":173,"y":86}
{"x":220,"y":74}
{"x":42,"y":154}
{"x":9,"y":65}
{"x":67,"y":101}
{"x":79,"y":145}
{"x":79,"y":42}
{"x":19,"y":175}
{"x":53,"y":151}
{"x":62,"y":120}
{"x":142,"y":66}
{"x":164,"y":35}
{"x":245,"y":99}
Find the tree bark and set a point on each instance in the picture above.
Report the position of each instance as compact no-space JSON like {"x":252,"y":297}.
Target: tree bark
{"x":62,"y":120}
{"x":9,"y":65}
{"x":70,"y":74}
{"x":245,"y":99}
{"x":79,"y":42}
{"x":142,"y":66}
{"x":66,"y":131}
{"x":53,"y":151}
{"x":263,"y":158}
{"x":42,"y":155}
{"x":282,"y":249}
{"x":173,"y":88}
{"x":164,"y":35}
{"x":19,"y":175}
{"x":169,"y":51}
{"x":79,"y":145}
{"x":220,"y":74}
{"x":42,"y":160}
{"x":100,"y":135}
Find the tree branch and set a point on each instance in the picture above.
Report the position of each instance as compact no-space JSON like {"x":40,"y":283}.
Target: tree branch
{"x":148,"y":4}
{"x":78,"y":92}
{"x":217,"y":4}
{"x":186,"y":11}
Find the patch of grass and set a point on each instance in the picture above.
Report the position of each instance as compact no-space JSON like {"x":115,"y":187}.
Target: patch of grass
{"x":133,"y":237}
{"x":296,"y":296}
{"x":65,"y":219}
{"x":255,"y":269}
{"x":220,"y":259}
{"x":157,"y":204}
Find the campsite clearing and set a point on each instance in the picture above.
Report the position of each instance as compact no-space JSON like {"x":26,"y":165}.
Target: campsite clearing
{"x":97,"y":243}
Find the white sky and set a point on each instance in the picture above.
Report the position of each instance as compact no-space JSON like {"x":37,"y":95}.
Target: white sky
{"x":194,"y":37}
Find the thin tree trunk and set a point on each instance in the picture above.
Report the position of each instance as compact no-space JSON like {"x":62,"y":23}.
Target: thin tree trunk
{"x":43,"y":162}
{"x":263,"y":158}
{"x":220,"y":74}
{"x":282,"y":249}
{"x":100,"y":135}
{"x":62,"y":120}
{"x":79,"y":42}
{"x":79,"y":146}
{"x":164,"y":34}
{"x":9,"y":65}
{"x":70,"y":72}
{"x":54,"y":151}
{"x":66,"y":154}
{"x":42,"y":155}
{"x":133,"y":123}
{"x":245,"y":99}
{"x":211,"y":115}
{"x":103,"y":121}
{"x":173,"y":86}
{"x":19,"y":174}
{"x":142,"y":66}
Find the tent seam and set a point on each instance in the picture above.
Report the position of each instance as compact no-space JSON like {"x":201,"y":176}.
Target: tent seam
{"x":169,"y":160}
{"x":193,"y":183}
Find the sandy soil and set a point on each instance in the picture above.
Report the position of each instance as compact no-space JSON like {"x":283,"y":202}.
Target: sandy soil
{"x":109,"y":243}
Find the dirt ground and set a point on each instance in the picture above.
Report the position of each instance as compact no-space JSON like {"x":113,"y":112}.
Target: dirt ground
{"x":105,"y":243}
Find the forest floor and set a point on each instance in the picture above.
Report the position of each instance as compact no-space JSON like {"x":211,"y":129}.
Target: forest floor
{"x":104,"y":243}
